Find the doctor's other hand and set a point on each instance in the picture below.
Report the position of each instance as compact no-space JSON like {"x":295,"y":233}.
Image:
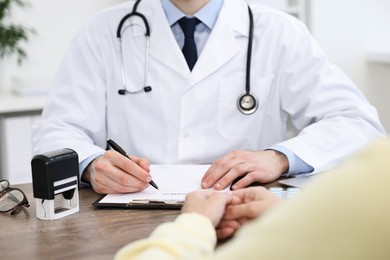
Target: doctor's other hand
{"x":260,"y":166}
{"x":208,"y":203}
{"x":114,"y":173}
{"x":246,"y":204}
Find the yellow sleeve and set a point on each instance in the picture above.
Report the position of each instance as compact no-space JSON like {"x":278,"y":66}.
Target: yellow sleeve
{"x":344,"y":214}
{"x":190,"y":234}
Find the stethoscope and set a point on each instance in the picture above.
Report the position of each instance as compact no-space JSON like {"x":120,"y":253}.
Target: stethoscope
{"x":247,"y":103}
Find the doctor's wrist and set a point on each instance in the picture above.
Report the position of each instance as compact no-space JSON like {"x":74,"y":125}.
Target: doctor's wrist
{"x":86,"y":175}
{"x":281,"y":162}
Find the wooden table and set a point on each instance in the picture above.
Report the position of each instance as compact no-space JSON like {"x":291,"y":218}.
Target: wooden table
{"x":89,"y":234}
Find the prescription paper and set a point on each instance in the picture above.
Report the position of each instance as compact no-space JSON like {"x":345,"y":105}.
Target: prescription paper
{"x":173,"y":181}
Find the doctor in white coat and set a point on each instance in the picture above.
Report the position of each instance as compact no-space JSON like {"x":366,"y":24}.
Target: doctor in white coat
{"x":191,"y":116}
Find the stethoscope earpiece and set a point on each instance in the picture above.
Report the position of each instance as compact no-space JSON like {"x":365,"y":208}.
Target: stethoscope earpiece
{"x":125,"y":91}
{"x":148,"y":89}
{"x":247,"y":104}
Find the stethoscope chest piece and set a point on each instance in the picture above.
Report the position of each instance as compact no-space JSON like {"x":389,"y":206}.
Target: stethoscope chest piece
{"x":247,"y":104}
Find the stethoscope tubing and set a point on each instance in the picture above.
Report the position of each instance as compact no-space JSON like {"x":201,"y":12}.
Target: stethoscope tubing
{"x":246,"y":104}
{"x":119,"y":32}
{"x":249,"y":53}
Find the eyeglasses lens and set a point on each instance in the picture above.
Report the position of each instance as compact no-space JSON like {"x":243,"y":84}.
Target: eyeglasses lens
{"x":10,"y":200}
{"x":3,"y":185}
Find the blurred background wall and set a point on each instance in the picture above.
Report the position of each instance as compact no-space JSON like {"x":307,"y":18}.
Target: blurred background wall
{"x":354,"y":34}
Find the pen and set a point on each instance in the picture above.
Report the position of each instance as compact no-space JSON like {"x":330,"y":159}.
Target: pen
{"x":119,"y":149}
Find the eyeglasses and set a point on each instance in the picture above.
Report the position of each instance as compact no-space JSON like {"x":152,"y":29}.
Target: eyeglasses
{"x":11,"y":199}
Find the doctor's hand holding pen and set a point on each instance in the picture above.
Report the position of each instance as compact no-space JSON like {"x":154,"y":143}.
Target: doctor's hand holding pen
{"x":260,"y":166}
{"x":114,"y":173}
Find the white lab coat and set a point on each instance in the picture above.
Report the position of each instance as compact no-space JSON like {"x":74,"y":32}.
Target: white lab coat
{"x":193,"y":117}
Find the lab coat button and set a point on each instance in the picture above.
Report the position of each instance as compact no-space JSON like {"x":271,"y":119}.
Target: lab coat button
{"x":185,"y":135}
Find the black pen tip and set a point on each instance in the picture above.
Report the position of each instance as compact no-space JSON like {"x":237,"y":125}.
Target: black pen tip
{"x":153,"y":184}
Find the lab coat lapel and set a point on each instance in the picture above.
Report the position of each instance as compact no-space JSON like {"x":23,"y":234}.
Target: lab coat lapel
{"x":222,"y":44}
{"x":163,"y":45}
{"x":220,"y":47}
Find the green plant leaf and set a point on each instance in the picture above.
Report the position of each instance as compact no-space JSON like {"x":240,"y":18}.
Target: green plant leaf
{"x":11,"y":35}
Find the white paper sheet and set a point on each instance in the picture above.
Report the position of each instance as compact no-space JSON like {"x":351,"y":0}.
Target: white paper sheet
{"x":173,"y":181}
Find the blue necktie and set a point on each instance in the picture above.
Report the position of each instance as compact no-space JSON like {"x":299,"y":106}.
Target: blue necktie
{"x":189,"y":49}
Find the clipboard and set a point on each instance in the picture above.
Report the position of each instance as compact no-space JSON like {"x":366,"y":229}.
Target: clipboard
{"x":174,"y":182}
{"x":141,"y":204}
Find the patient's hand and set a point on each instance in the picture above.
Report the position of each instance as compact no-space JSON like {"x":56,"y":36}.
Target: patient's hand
{"x":246,"y":204}
{"x":208,"y":203}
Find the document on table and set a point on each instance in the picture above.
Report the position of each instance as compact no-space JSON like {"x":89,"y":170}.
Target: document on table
{"x":173,"y":181}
